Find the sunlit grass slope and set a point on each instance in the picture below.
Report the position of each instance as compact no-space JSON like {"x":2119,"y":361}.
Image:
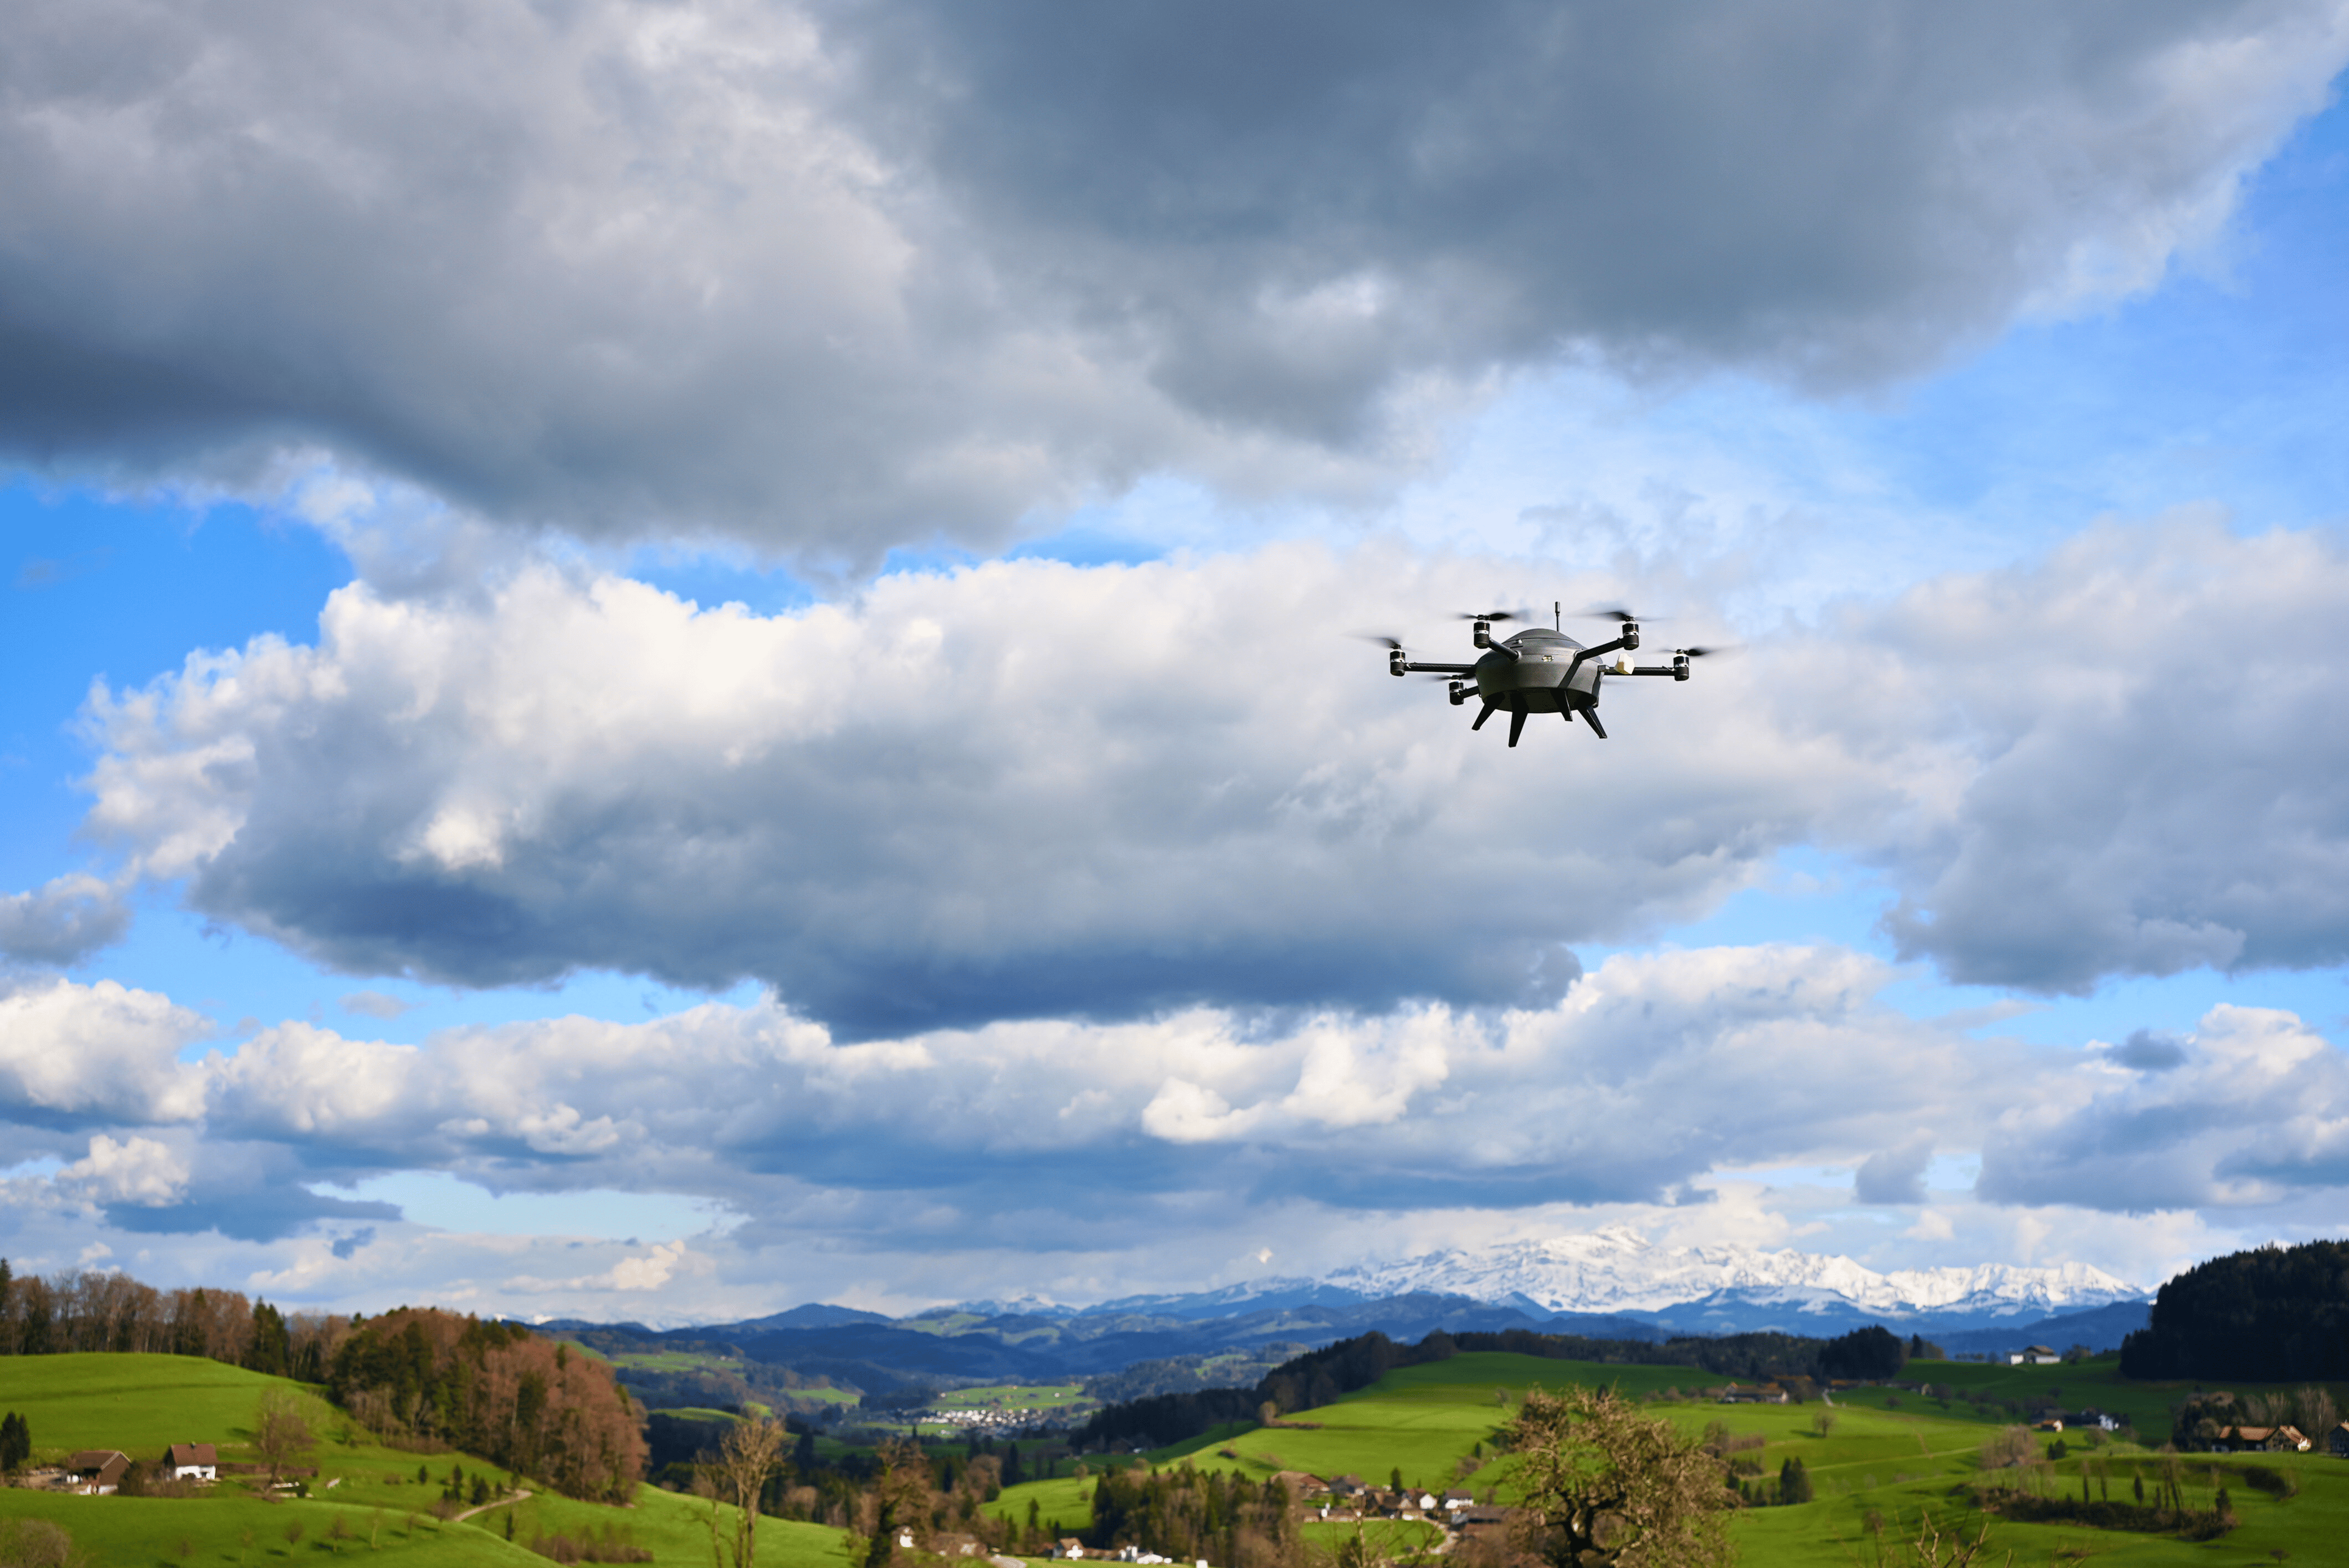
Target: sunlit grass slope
{"x":140,"y":1403}
{"x":1879,"y":1461}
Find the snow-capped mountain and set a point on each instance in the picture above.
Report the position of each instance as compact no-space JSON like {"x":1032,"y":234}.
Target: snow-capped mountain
{"x":1618,"y":1270}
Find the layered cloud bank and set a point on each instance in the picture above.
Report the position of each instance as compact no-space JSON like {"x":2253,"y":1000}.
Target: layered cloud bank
{"x":834,"y":275}
{"x":1210,"y":1143}
{"x":1030,"y":790}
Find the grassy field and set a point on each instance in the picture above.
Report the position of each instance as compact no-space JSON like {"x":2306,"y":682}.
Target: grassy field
{"x":138,"y":1404}
{"x":369,"y":1494}
{"x":1394,"y":1538}
{"x":1886,"y":1456}
{"x":1012,"y":1396}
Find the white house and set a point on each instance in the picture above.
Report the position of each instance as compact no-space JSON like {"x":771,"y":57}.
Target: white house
{"x":193,"y":1462}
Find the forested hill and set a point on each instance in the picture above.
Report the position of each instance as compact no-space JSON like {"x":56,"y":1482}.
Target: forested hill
{"x":2273,"y":1315}
{"x":1320,"y":1376}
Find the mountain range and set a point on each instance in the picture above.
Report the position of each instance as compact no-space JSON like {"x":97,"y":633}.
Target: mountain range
{"x":1610,"y":1284}
{"x":1617,"y":1271}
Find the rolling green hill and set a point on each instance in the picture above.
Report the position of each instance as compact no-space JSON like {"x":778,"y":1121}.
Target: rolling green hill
{"x":1887,"y":1456}
{"x":140,"y":1403}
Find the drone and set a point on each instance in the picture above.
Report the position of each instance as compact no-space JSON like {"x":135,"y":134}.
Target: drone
{"x":1540,"y":672}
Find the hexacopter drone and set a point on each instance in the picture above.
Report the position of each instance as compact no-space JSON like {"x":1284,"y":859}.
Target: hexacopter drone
{"x":1540,"y":672}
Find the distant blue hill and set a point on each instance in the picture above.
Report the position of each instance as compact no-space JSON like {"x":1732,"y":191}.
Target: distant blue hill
{"x":1029,"y":1344}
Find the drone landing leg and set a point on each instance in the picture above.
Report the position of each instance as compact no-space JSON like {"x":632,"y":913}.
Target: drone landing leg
{"x":1482,"y":717}
{"x":1590,"y":717}
{"x":1516,"y":724}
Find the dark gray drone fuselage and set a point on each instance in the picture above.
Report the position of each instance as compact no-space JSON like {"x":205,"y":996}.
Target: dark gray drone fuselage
{"x":1541,"y":670}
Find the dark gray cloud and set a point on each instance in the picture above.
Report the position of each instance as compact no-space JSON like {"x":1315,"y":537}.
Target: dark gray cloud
{"x":2151,"y":1051}
{"x":1894,"y":1175}
{"x":63,"y":922}
{"x":837,"y":277}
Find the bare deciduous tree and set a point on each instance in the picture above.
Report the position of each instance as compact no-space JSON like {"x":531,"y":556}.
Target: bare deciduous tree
{"x":1604,"y":1484}
{"x":747,"y":1458}
{"x":280,"y":1433}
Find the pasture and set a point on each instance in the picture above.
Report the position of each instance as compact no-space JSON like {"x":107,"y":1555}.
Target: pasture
{"x":1013,"y":1397}
{"x":1885,"y":1458}
{"x":365,"y":1497}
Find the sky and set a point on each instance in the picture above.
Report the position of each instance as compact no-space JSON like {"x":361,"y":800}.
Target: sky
{"x":665,"y":660}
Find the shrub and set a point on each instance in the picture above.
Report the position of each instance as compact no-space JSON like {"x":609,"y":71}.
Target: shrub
{"x":613,"y":1545}
{"x":2276,"y":1483}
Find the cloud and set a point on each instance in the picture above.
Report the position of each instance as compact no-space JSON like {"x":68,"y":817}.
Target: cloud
{"x":1894,"y":1175}
{"x":1207,"y":1136}
{"x":137,"y":1171}
{"x":2151,"y":1051}
{"x":1033,"y":790}
{"x":1021,"y":789}
{"x":375,"y":1005}
{"x":2114,"y":767}
{"x":72,"y":1055}
{"x":646,"y":1271}
{"x":1649,"y":1074}
{"x":67,"y":920}
{"x":833,"y":277}
{"x":2255,"y":1109}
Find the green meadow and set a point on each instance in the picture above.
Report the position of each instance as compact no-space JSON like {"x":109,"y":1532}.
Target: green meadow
{"x":1013,"y":1397}
{"x":365,"y":1498}
{"x":1885,"y":1458}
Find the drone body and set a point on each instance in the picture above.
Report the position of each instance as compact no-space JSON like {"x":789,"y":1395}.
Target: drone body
{"x":1540,"y":671}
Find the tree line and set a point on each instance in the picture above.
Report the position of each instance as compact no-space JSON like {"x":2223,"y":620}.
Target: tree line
{"x":419,"y":1377}
{"x":1320,"y":1376}
{"x":86,"y":1310}
{"x":2273,"y":1315}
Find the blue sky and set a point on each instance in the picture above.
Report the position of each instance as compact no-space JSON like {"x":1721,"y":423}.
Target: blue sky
{"x":696,"y":724}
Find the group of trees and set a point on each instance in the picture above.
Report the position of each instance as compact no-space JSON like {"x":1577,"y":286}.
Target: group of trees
{"x":2201,"y":1417}
{"x":89,"y":1310}
{"x":1865,"y":1355}
{"x":421,"y":1375}
{"x":2273,"y":1315}
{"x":1189,"y":1515}
{"x":15,"y":1442}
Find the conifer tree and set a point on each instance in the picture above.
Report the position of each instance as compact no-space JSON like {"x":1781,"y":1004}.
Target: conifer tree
{"x":15,"y":1442}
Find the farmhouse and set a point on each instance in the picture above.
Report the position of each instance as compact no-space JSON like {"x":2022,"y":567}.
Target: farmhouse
{"x":193,"y":1462}
{"x":1482,"y":1523}
{"x":2034,"y":1355}
{"x":1770,"y":1394}
{"x":96,"y":1472}
{"x":2259,"y":1439}
{"x":1302,"y":1485}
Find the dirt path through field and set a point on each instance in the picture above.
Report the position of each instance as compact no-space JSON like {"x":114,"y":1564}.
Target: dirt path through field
{"x":501,"y":1502}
